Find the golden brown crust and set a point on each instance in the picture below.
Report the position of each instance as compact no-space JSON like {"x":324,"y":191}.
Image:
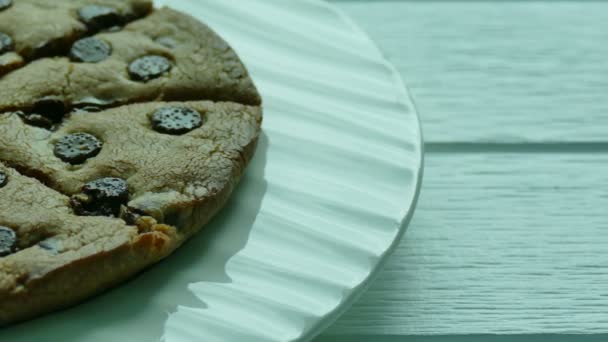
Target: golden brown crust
{"x":75,"y":281}
{"x":178,"y":182}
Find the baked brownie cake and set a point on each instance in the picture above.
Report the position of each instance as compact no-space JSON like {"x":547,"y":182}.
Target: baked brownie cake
{"x":123,"y":130}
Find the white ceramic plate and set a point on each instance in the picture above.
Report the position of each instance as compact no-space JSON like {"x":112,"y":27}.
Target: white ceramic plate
{"x":326,"y":199}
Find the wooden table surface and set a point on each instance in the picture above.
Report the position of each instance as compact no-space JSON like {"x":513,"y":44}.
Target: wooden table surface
{"x":511,"y":232}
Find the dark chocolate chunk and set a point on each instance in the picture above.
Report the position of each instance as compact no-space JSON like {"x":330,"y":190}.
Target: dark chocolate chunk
{"x":76,"y":148}
{"x":108,"y":188}
{"x":102,"y":197}
{"x":4,"y":4}
{"x":6,"y":43}
{"x":98,"y":17}
{"x":49,"y":48}
{"x":50,"y":108}
{"x":176,"y":120}
{"x":3,"y":179}
{"x":8,"y":241}
{"x":90,"y":50}
{"x":149,"y":67}
{"x":45,"y":113}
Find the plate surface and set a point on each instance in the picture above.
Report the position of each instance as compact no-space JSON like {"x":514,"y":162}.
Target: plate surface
{"x":326,"y":199}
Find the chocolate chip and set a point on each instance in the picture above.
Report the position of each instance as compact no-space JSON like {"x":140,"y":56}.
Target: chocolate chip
{"x":109,"y":188}
{"x":102,"y":197}
{"x":8,"y":241}
{"x":49,"y":48}
{"x":77,"y":148}
{"x":176,"y":120}
{"x":98,"y":17}
{"x":51,"y":108}
{"x":6,"y":43}
{"x":149,"y":67}
{"x":46,"y":113}
{"x":3,"y":179}
{"x":4,"y":4}
{"x":90,"y":50}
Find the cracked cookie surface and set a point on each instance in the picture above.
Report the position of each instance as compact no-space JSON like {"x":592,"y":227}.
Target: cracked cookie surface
{"x":117,"y":143}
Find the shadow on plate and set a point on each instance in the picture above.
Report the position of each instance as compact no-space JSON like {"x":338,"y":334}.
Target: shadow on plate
{"x":137,"y":310}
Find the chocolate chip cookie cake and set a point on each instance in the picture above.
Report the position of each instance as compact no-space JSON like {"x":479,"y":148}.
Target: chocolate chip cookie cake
{"x":123,"y":131}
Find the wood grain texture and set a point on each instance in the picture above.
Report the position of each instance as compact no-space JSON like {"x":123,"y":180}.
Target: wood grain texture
{"x":500,"y":244}
{"x":464,"y":338}
{"x":509,"y":237}
{"x":498,"y":71}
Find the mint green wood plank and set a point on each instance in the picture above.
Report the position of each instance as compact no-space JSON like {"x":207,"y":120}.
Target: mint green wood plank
{"x":463,"y":338}
{"x":500,"y":244}
{"x":498,"y":71}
